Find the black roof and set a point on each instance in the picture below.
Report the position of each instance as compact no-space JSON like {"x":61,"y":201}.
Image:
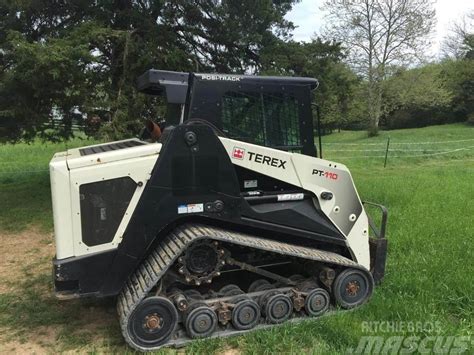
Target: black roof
{"x":175,"y":84}
{"x":313,"y":83}
{"x":157,"y":82}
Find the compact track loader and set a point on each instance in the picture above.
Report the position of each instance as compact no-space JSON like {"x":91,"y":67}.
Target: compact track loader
{"x":219,"y":220}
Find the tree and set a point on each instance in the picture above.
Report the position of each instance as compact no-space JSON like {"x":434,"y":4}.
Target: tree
{"x":85,"y":56}
{"x":379,"y":34}
{"x":318,"y":59}
{"x":459,"y":43}
{"x":417,"y":97}
{"x":458,"y":76}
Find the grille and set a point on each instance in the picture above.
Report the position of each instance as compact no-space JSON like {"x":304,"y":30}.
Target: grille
{"x":103,"y":204}
{"x":109,"y":147}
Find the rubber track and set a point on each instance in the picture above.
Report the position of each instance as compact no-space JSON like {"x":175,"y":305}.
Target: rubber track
{"x":153,"y":268}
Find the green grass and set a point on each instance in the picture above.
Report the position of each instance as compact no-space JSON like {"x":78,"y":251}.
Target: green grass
{"x":430,"y":263}
{"x":446,"y":143}
{"x":24,"y":184}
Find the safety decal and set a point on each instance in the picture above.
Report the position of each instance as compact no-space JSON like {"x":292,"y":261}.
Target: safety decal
{"x":191,"y":208}
{"x":249,"y":184}
{"x":291,"y":197}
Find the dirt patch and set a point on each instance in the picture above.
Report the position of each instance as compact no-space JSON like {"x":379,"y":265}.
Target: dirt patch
{"x":23,"y":254}
{"x":16,"y":347}
{"x":45,"y":341}
{"x":33,"y":320}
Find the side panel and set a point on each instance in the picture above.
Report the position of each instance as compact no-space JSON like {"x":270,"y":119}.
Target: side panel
{"x":138,"y":170}
{"x":344,"y":209}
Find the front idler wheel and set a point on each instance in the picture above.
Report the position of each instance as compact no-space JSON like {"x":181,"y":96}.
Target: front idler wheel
{"x":245,"y":315}
{"x":201,"y":322}
{"x":278,"y":308}
{"x":317,"y":302}
{"x":352,"y":287}
{"x":153,"y":322}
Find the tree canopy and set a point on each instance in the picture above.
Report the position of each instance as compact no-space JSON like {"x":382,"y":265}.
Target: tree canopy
{"x":64,"y":63}
{"x":65,"y":58}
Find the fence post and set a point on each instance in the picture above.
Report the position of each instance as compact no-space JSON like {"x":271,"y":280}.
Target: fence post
{"x":386,"y":152}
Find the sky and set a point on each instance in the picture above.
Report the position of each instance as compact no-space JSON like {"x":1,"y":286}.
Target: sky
{"x":309,"y":19}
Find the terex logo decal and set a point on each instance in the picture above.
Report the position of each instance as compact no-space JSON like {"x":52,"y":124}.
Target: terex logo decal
{"x":265,"y":159}
{"x":326,"y":174}
{"x":238,"y":153}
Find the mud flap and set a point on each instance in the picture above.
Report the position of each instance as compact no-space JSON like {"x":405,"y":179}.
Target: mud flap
{"x":378,"y":258}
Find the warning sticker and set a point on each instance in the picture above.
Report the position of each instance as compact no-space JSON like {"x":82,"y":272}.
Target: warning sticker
{"x":248,"y":184}
{"x":191,"y":208}
{"x":182,"y":209}
{"x":290,"y":197}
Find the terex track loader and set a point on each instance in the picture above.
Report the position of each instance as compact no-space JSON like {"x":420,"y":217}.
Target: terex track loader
{"x":228,"y":223}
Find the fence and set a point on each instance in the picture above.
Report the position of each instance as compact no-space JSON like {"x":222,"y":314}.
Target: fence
{"x":391,"y":149}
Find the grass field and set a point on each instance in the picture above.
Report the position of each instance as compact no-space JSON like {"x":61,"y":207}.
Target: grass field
{"x":428,"y":187}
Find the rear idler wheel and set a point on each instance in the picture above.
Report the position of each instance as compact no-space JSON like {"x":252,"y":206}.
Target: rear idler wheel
{"x":153,"y":322}
{"x":317,"y":302}
{"x":245,"y":315}
{"x":352,"y":287}
{"x":277,"y":308}
{"x":201,"y":322}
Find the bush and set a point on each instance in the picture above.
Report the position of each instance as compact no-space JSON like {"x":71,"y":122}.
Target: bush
{"x":470,"y":118}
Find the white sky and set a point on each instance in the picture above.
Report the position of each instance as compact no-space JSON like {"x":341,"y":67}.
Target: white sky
{"x":309,"y":19}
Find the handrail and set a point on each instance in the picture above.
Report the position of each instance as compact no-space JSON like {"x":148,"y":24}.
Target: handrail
{"x":379,"y":233}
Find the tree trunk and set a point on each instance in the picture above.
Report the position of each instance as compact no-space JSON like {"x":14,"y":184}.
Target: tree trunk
{"x":375,"y":106}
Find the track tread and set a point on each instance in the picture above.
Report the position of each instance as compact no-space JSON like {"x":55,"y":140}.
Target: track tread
{"x":163,"y":256}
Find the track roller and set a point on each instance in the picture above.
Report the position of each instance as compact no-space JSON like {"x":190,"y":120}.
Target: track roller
{"x":352,"y":287}
{"x":297,"y":278}
{"x":201,"y":322}
{"x":259,"y":285}
{"x":277,"y":307}
{"x":245,"y":314}
{"x":193,"y":294}
{"x":153,"y":322}
{"x":307,"y":285}
{"x":231,"y":290}
{"x":317,"y":302}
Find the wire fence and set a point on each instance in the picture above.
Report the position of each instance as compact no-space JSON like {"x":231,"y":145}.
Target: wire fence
{"x":401,"y":143}
{"x":390,"y":149}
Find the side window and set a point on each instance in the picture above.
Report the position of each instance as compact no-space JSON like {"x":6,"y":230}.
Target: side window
{"x":270,"y":119}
